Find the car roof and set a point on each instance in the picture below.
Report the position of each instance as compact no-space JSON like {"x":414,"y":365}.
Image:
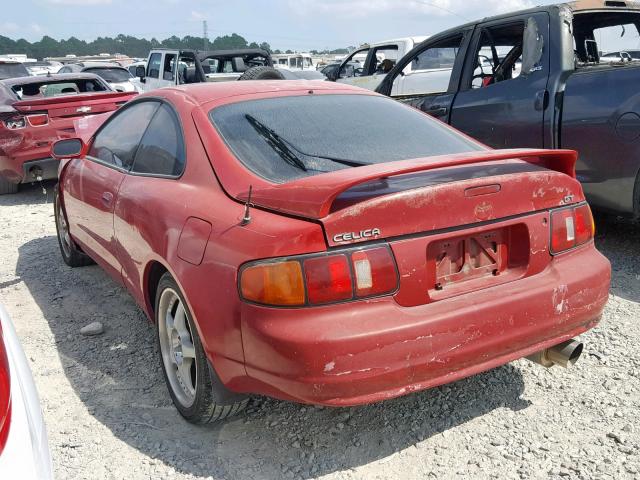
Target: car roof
{"x":10,"y":82}
{"x":100,"y":65}
{"x":201,"y":93}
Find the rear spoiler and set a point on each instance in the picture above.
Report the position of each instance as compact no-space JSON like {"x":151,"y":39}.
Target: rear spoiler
{"x":312,"y":197}
{"x":28,"y":106}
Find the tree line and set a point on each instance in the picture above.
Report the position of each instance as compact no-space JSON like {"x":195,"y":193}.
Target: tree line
{"x":129,"y":45}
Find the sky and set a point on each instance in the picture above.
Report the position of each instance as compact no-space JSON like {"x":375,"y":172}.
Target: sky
{"x":286,"y":24}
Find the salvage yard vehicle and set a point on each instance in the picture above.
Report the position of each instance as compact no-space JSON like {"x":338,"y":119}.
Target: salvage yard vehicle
{"x":165,"y":67}
{"x":37,"y":111}
{"x":321,"y":273}
{"x":119,"y":77}
{"x":546,"y":86}
{"x":24,"y":449}
{"x":377,"y":60}
{"x":11,"y":69}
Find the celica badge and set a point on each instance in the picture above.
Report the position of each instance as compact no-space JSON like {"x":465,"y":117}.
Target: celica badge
{"x":83,"y":109}
{"x":362,"y":234}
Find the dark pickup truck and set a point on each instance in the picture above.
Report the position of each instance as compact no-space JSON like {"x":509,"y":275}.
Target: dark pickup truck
{"x":541,"y":78}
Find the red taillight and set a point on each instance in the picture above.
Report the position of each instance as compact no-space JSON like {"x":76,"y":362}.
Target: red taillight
{"x":38,"y":120}
{"x":5,"y":394}
{"x":571,"y":227}
{"x":336,"y":277}
{"x":328,"y":279}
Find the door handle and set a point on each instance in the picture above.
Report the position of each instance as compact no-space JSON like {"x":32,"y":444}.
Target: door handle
{"x":438,"y":111}
{"x":107,"y":198}
{"x":542,"y":100}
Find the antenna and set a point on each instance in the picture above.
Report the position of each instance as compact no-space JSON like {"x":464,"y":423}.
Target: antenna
{"x":205,"y":36}
{"x":247,"y":213}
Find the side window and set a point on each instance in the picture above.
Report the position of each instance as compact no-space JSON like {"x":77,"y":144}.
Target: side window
{"x":153,"y":69}
{"x":498,"y":55}
{"x":64,"y":70}
{"x":169,"y":68}
{"x":161,"y":150}
{"x":354,"y":66}
{"x":384,"y":59}
{"x":117,"y":142}
{"x":430,"y":70}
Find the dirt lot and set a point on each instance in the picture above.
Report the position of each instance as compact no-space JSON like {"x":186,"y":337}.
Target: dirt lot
{"x":109,"y":414}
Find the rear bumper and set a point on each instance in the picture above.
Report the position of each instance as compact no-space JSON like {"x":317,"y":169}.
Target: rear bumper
{"x":368,"y":351}
{"x":17,"y":170}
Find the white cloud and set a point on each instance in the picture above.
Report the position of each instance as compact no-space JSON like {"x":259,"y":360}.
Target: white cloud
{"x":468,"y":9}
{"x":199,"y":16}
{"x":80,"y":2}
{"x":9,"y":27}
{"x":36,"y":28}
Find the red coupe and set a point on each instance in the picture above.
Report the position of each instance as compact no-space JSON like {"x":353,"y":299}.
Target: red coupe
{"x":323,"y":244}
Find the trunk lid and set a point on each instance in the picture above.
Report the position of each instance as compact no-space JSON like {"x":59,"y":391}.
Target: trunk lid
{"x":71,"y":106}
{"x":425,"y":195}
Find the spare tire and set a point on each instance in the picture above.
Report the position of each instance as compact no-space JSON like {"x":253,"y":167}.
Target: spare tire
{"x":261,"y":73}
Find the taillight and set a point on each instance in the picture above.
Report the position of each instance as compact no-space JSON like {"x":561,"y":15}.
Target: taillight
{"x":571,"y":227}
{"x":320,"y":279}
{"x":38,"y":120}
{"x":5,"y":395}
{"x":15,"y":123}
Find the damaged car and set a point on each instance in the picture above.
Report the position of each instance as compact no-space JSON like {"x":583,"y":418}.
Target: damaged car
{"x":37,"y":111}
{"x":536,"y":78}
{"x":355,"y":266}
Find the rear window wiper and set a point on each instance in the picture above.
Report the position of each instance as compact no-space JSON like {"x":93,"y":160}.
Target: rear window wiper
{"x":276,"y":142}
{"x":286,"y":148}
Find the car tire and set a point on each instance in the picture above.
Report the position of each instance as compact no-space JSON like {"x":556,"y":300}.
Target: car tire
{"x":194,"y":386}
{"x":71,"y":253}
{"x":7,"y":187}
{"x":262,"y":73}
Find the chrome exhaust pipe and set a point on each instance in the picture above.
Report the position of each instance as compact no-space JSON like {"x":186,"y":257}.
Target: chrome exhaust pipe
{"x":564,"y":354}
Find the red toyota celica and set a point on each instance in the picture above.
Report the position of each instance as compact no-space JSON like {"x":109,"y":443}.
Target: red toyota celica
{"x":323,"y":244}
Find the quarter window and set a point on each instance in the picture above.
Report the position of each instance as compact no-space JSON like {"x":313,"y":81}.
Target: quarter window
{"x":153,"y":69}
{"x":161,"y":150}
{"x":117,"y":142}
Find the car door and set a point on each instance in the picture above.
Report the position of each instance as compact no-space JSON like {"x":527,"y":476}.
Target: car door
{"x":427,"y":78}
{"x":353,"y":67}
{"x":153,"y":79}
{"x":503,"y":96}
{"x":92,"y":183}
{"x":139,"y":224}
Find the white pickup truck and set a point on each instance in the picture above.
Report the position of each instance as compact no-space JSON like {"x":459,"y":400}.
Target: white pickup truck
{"x":167,"y":67}
{"x":368,"y":65}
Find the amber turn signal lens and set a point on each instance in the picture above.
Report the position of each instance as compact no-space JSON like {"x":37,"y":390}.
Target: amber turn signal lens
{"x":279,"y":283}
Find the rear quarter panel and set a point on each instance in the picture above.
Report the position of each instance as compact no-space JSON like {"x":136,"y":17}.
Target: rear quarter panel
{"x":601,"y":120}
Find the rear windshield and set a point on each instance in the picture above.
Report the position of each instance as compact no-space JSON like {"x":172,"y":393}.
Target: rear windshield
{"x":111,"y":75}
{"x":12,"y":70}
{"x":281,"y":139}
{"x":51,"y":88}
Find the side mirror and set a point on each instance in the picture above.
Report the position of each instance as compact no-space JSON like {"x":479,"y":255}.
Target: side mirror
{"x":67,"y":148}
{"x":141,"y":72}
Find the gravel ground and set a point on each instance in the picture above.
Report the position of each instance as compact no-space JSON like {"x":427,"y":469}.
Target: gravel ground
{"x":109,"y":415}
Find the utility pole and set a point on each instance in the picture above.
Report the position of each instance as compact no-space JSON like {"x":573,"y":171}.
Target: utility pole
{"x":205,"y":33}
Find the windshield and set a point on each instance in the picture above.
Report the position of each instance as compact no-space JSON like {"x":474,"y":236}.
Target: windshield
{"x":111,"y":75}
{"x":12,"y":70}
{"x":282,"y":139}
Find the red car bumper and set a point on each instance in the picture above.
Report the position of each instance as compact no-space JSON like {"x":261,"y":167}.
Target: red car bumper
{"x":368,"y":351}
